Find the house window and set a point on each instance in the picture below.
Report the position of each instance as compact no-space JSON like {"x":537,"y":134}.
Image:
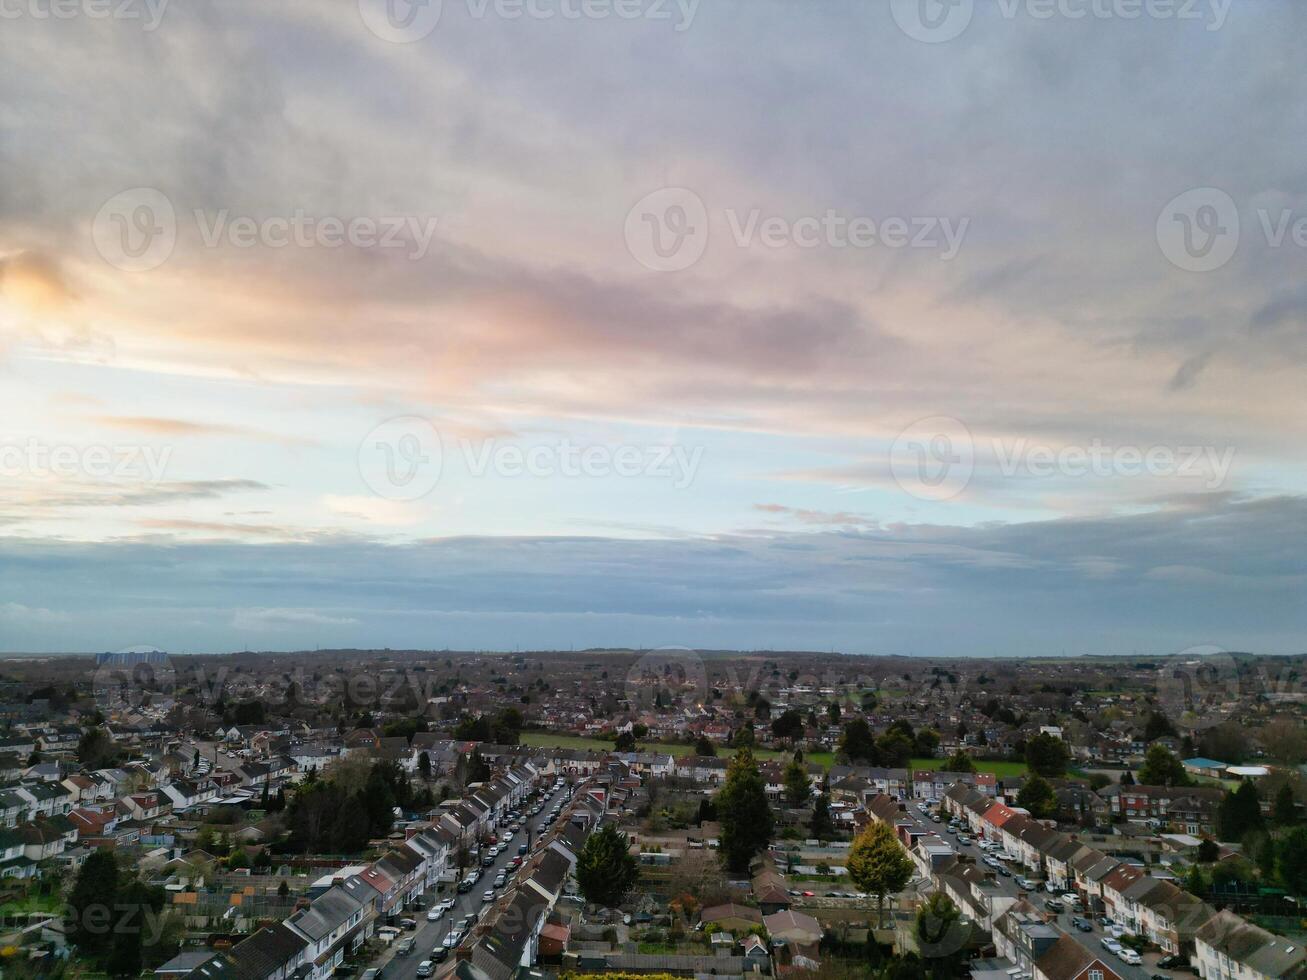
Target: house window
{"x":1095,"y":975}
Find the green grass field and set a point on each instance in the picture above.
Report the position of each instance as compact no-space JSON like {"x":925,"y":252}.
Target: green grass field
{"x":554,"y":740}
{"x":999,"y":768}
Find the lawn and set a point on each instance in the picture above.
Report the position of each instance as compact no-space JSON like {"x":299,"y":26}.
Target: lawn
{"x":998,"y":768}
{"x":560,"y":741}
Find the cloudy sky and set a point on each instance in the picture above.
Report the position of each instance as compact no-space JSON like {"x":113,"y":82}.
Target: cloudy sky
{"x":884,"y":326}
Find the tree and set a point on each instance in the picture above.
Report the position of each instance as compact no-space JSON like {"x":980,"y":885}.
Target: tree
{"x":1293,"y":861}
{"x":797,"y":787}
{"x":743,"y":812}
{"x":703,"y":745}
{"x":605,"y":868}
{"x":895,"y":748}
{"x":91,"y":901}
{"x":625,"y":742}
{"x":833,"y":713}
{"x":1162,"y":768}
{"x":1284,"y":811}
{"x":1208,"y":851}
{"x":788,"y":725}
{"x":878,"y":865}
{"x":822,"y":827}
{"x":95,"y":749}
{"x":927,"y":743}
{"x":1240,"y":812}
{"x":424,"y":766}
{"x":942,"y":936}
{"x":857,"y":743}
{"x":1158,"y":726}
{"x":1047,"y":755}
{"x":1038,"y":796}
{"x":959,"y":761}
{"x":283,"y":889}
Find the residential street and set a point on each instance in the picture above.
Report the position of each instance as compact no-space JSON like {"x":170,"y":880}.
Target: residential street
{"x":431,"y":935}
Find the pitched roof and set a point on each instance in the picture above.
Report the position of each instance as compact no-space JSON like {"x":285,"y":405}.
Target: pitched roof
{"x":1254,"y":947}
{"x":1067,"y":958}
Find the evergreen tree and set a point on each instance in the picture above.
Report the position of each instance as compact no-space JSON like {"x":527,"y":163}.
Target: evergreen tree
{"x":1293,"y":861}
{"x":1038,"y":796}
{"x":797,"y":787}
{"x":605,"y":869}
{"x":1162,"y":768}
{"x":1047,"y":755}
{"x":90,"y":903}
{"x":1284,"y":811}
{"x":822,"y":827}
{"x":743,"y":812}
{"x":1240,"y":813}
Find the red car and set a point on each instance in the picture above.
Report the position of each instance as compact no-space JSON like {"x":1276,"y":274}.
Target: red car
{"x":517,"y":861}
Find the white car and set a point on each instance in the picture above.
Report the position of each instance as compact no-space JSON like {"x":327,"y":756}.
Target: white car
{"x":1111,"y":945}
{"x":1128,"y":955}
{"x":425,"y":968}
{"x":435,"y":914}
{"x":488,"y":895}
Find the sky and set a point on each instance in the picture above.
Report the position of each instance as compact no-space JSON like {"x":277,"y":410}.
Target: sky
{"x":903,"y":327}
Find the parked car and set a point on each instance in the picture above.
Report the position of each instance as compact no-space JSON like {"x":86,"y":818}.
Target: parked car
{"x":439,"y":954}
{"x":1053,"y":905}
{"x":371,"y":975}
{"x":426,"y":968}
{"x":488,"y":895}
{"x":408,"y":924}
{"x":1084,"y":925}
{"x":1173,"y":962}
{"x":435,"y":914}
{"x":499,"y":880}
{"x":1111,"y":945}
{"x":406,"y":947}
{"x":1128,"y":955}
{"x":522,"y":849}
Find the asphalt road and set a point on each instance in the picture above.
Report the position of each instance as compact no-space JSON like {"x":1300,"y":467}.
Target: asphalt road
{"x":431,"y":935}
{"x":1090,"y":940}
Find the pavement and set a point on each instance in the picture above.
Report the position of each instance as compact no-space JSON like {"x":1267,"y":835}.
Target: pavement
{"x":431,"y":935}
{"x":1008,"y":886}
